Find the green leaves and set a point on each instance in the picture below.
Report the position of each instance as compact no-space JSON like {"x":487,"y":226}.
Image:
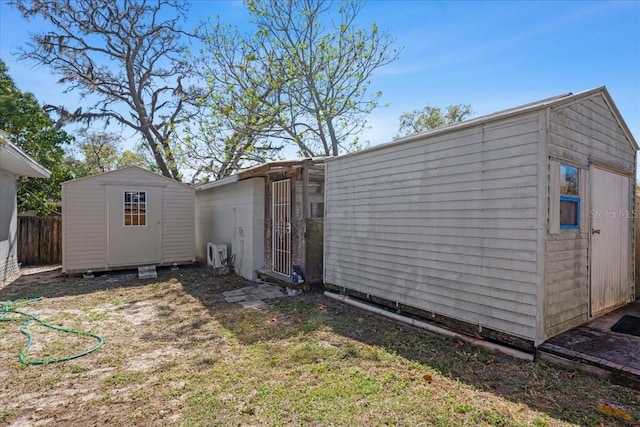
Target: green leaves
{"x":430,"y":117}
{"x":35,"y":133}
{"x":102,"y":153}
{"x":300,"y":77}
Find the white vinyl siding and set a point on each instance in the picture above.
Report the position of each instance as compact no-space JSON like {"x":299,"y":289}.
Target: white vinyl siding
{"x":84,"y":226}
{"x":8,"y":226}
{"x":581,"y":133}
{"x":448,"y":224}
{"x":587,"y":131}
{"x":178,"y":219}
{"x":233,"y":214}
{"x":465,"y":221}
{"x":567,"y":286}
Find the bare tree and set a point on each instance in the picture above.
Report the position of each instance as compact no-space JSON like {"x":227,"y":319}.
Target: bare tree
{"x":126,"y":54}
{"x":307,"y":65}
{"x":326,"y":62}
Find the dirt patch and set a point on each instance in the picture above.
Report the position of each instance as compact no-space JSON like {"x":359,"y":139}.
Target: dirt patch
{"x":138,"y":312}
{"x":176,"y":353}
{"x":154,"y":358}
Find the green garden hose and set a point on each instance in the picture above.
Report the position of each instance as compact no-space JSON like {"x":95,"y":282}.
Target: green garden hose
{"x":8,"y":312}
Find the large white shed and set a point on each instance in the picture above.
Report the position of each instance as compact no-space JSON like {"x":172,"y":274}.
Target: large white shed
{"x":126,"y":218}
{"x":514,"y":226}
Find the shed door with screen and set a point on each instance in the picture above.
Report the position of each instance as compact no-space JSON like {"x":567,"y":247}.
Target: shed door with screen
{"x":610,"y":218}
{"x":134,"y":228}
{"x":281,"y":234}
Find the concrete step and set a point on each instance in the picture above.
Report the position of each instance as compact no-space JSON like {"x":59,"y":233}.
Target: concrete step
{"x":147,"y":272}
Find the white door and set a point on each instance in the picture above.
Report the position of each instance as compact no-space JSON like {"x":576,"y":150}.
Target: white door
{"x":281,"y":232}
{"x":134,"y":231}
{"x":609,"y":255}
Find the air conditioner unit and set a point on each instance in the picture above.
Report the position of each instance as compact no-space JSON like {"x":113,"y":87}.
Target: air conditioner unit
{"x":216,"y":254}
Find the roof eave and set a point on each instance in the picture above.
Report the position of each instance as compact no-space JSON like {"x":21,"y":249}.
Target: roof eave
{"x":219,"y":183}
{"x":609,"y":100}
{"x":116,"y":171}
{"x":17,"y":161}
{"x":552,"y":102}
{"x":263,"y":169}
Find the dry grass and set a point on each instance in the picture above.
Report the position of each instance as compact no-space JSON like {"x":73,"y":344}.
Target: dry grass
{"x":177,"y":354}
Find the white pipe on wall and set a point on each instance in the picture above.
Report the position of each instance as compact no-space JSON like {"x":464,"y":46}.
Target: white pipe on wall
{"x":429,"y":327}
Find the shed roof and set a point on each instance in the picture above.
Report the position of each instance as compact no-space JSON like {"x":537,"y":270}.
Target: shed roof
{"x":262,"y":170}
{"x":277,"y":166}
{"x":552,"y":102}
{"x":118,"y":171}
{"x":17,"y":162}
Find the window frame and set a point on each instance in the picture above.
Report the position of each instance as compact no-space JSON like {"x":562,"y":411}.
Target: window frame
{"x":576,"y":200}
{"x":139,"y":213}
{"x":570,"y":197}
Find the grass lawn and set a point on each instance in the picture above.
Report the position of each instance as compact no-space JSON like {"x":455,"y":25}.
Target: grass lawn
{"x":177,"y":354}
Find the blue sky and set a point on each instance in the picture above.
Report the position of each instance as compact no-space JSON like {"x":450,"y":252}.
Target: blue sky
{"x":491,"y":55}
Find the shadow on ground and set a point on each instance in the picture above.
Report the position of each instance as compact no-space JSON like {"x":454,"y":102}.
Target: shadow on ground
{"x":564,"y":395}
{"x":52,"y":283}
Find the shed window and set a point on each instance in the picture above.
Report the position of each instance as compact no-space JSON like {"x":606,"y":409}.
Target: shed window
{"x":135,"y":208}
{"x":569,"y":198}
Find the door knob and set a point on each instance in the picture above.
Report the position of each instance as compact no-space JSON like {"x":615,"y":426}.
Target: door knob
{"x":595,"y":231}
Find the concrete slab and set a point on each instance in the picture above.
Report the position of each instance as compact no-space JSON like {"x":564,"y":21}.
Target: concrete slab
{"x":235,"y":298}
{"x":273,"y":294}
{"x":147,"y":272}
{"x":235,"y":292}
{"x":252,"y":302}
{"x":252,"y":294}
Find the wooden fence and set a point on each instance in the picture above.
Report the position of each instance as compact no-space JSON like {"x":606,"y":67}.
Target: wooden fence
{"x":39,"y":240}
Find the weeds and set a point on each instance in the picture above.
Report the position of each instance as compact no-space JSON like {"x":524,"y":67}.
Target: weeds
{"x":177,"y":354}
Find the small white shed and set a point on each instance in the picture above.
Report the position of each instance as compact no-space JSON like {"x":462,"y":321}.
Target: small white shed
{"x":514,"y":226}
{"x":269,"y":217}
{"x":13,"y":163}
{"x":126,"y":218}
{"x":231,"y":212}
